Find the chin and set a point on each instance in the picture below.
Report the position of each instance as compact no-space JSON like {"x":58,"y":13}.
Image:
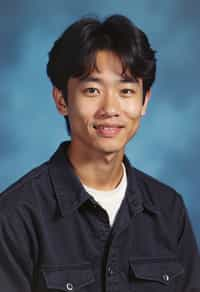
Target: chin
{"x":109,"y":148}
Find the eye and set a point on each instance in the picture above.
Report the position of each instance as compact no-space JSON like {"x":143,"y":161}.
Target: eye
{"x":91,"y":91}
{"x":127,"y":92}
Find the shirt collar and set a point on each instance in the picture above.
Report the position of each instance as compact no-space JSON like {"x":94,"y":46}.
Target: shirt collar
{"x":133,"y":192}
{"x":71,"y":194}
{"x":68,"y":188}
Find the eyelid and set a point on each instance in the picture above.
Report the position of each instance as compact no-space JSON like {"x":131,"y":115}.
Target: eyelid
{"x":86,"y":91}
{"x":129,"y":90}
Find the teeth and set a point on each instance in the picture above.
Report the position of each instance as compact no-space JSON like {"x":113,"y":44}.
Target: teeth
{"x":107,"y":131}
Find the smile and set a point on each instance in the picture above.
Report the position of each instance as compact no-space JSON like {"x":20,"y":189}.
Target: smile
{"x":108,"y":131}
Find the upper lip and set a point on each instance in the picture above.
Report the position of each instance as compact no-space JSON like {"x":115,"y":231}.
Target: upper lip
{"x":109,"y":125}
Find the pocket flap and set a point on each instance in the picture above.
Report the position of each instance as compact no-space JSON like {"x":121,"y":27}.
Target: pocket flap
{"x":69,"y":277}
{"x":159,"y":270}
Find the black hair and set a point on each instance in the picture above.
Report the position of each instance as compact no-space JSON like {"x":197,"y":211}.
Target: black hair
{"x":74,"y":53}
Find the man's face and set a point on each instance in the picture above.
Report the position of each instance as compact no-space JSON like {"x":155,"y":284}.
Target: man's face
{"x":104,"y":109}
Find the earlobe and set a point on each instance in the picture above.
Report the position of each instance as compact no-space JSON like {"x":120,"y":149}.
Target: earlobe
{"x":143,"y":113}
{"x":59,"y":101}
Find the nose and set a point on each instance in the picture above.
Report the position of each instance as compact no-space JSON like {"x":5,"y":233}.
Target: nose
{"x":109,"y":106}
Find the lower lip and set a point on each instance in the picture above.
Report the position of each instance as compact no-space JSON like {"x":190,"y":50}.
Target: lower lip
{"x":108,"y":132}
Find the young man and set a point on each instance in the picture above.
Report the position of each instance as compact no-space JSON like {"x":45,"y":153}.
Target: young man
{"x":86,"y":220}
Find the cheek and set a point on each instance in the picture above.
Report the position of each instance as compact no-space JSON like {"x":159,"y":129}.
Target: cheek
{"x":84,"y":112}
{"x":132,"y":110}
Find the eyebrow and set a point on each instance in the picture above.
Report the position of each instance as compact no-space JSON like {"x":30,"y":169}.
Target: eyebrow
{"x":129,"y":79}
{"x":90,"y":79}
{"x":126,"y":79}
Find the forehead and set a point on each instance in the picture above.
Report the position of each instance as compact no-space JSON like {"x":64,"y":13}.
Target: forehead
{"x":108,"y":64}
{"x":107,"y":60}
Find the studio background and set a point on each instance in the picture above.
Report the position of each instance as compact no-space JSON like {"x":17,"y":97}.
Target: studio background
{"x":167,"y":144}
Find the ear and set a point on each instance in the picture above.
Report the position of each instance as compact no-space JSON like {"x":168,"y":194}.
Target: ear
{"x":146,"y":101}
{"x":60,"y":101}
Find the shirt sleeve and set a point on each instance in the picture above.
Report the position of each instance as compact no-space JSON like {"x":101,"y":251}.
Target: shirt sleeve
{"x":16,"y":260}
{"x":188,"y":252}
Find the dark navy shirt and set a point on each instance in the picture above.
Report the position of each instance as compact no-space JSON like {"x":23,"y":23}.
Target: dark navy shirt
{"x":55,"y":237}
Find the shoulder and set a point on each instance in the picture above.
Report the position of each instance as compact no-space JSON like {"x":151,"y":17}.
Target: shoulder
{"x":23,"y":193}
{"x":158,"y":193}
{"x":21,"y":206}
{"x":152,"y":183}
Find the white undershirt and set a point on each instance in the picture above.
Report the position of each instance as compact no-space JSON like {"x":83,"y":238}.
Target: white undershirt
{"x":110,"y":200}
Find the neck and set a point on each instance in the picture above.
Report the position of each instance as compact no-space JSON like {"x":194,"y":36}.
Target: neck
{"x":94,"y":170}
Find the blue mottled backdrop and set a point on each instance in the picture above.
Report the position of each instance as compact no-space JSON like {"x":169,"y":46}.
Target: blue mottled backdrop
{"x":167,"y":145}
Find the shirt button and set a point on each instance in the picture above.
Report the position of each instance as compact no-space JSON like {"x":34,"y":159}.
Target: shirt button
{"x":165,"y":277}
{"x":69,"y":286}
{"x":110,"y":271}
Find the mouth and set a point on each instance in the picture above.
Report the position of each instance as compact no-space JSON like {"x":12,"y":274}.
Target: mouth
{"x":108,"y":131}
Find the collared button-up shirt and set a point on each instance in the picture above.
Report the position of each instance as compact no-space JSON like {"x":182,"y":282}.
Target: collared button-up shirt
{"x":55,"y":237}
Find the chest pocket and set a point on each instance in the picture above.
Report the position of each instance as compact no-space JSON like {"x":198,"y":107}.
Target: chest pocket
{"x":68,"y":278}
{"x":154,"y":272}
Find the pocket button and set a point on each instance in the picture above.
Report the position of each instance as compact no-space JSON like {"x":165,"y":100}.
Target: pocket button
{"x":69,"y":287}
{"x":165,"y":277}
